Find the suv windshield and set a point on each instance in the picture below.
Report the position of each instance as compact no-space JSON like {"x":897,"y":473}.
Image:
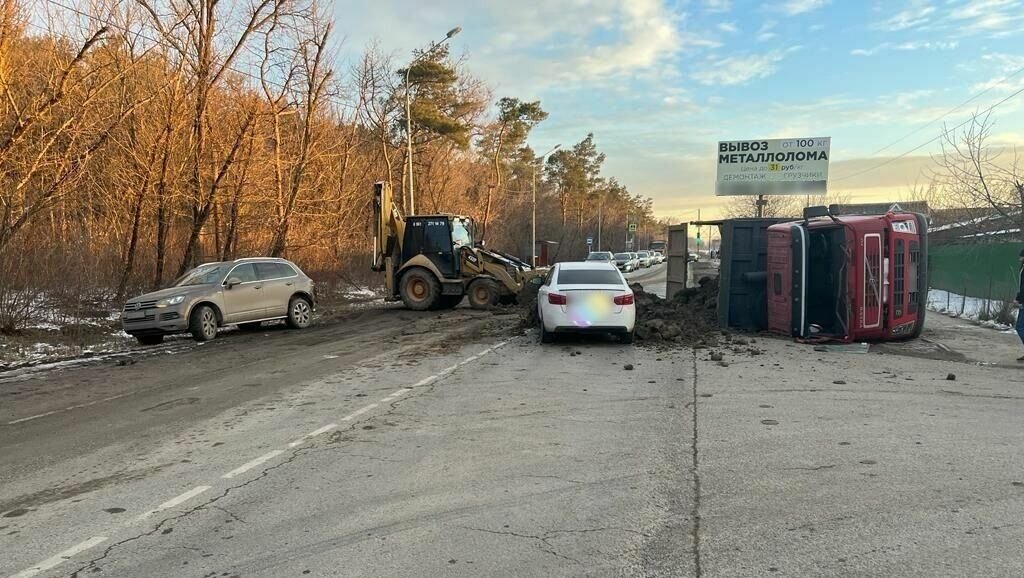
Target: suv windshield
{"x":622,"y":256}
{"x":205,"y":275}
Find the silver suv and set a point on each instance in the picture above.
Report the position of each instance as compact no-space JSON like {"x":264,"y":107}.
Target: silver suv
{"x":245,"y":292}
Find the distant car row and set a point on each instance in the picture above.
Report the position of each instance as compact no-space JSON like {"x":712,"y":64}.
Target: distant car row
{"x":628,"y":261}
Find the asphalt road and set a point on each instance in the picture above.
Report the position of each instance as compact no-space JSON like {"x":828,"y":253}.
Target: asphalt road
{"x":653,"y":278}
{"x":397,"y":444}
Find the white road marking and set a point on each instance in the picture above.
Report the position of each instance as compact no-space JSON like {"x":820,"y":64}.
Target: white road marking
{"x":313,"y":434}
{"x":79,"y":406}
{"x":359,"y":412}
{"x":176,"y":501}
{"x":425,"y":381}
{"x":64,"y":556}
{"x":250,"y":465}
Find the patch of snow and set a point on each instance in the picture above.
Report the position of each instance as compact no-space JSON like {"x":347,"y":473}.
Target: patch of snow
{"x":963,"y":307}
{"x":991,"y":233}
{"x":359,"y":292}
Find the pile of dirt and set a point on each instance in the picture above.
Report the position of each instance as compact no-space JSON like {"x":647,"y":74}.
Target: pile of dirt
{"x":690,"y":317}
{"x":526,"y":301}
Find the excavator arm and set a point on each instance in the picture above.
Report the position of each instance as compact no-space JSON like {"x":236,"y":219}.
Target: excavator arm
{"x":388,"y":234}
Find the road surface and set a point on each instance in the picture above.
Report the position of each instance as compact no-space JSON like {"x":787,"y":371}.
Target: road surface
{"x":398,"y":444}
{"x":653,"y":279}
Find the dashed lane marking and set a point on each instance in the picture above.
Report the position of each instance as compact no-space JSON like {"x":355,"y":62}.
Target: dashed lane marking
{"x":60,"y":558}
{"x":176,"y":501}
{"x":69,"y":408}
{"x":313,"y":434}
{"x":250,"y":465}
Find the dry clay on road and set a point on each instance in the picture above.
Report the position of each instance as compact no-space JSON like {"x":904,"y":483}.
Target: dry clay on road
{"x":401,"y":444}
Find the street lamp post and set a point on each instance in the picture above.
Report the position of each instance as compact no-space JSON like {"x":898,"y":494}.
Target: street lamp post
{"x":533,"y":246}
{"x":408,"y":111}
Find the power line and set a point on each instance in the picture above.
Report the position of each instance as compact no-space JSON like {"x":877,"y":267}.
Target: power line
{"x":926,"y":143}
{"x":949,"y":112}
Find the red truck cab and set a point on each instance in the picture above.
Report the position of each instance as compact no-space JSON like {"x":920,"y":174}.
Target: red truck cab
{"x":848,"y":278}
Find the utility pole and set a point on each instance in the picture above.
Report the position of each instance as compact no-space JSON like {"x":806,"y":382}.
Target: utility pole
{"x":600,"y":207}
{"x":408,"y":110}
{"x":533,"y":236}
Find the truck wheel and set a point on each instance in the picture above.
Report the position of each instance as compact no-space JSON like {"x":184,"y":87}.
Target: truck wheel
{"x":150,"y":339}
{"x":420,"y":289}
{"x":483,"y":294}
{"x":202,"y":324}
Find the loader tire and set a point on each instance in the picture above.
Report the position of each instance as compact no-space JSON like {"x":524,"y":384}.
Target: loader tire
{"x":420,"y":290}
{"x":483,"y":294}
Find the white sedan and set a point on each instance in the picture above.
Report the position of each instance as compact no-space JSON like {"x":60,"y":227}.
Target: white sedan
{"x":589,"y":297}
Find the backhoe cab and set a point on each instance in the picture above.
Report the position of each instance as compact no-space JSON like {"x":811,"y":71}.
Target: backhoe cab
{"x":432,"y":261}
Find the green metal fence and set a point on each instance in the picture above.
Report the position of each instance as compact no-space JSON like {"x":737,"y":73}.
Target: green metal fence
{"x":986,"y":271}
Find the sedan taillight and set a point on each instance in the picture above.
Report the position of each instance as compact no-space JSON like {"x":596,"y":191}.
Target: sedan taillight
{"x":556,"y":299}
{"x":624,"y":299}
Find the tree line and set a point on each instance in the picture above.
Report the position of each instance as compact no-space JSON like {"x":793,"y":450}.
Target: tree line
{"x":138,"y":139}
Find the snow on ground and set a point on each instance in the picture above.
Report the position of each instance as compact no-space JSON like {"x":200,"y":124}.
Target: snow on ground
{"x":981,"y":311}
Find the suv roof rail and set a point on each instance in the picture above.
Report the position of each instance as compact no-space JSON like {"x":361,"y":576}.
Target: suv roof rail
{"x":239,"y":260}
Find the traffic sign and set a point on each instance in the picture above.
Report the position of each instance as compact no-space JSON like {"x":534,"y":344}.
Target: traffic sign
{"x":590,"y":240}
{"x":632,"y":227}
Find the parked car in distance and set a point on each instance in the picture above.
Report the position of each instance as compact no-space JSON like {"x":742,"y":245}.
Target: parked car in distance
{"x":245,"y":292}
{"x":659,"y":257}
{"x":637,"y":263}
{"x":607,"y":256}
{"x":585,"y":297}
{"x":693,"y":257}
{"x":645,"y":259}
{"x":625,"y":262}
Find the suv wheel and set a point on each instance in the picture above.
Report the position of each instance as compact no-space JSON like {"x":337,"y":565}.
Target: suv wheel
{"x":300,"y":313}
{"x":202,"y":324}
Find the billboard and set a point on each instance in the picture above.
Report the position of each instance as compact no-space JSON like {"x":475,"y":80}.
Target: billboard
{"x":786,"y":166}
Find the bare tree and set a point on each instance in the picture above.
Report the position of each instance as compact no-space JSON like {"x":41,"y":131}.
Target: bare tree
{"x":974,"y":174}
{"x":191,"y":28}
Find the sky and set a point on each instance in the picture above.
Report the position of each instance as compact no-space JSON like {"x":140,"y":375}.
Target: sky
{"x":659,"y":82}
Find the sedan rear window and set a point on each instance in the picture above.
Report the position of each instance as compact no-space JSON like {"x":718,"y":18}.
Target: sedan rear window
{"x":588,"y":277}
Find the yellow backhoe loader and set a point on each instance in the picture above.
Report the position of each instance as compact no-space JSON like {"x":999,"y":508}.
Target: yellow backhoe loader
{"x":432,"y":261}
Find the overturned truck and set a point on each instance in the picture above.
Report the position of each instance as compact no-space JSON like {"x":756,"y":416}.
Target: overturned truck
{"x":827,"y":277}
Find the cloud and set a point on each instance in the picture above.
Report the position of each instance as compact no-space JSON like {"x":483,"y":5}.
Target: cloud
{"x":648,"y":34}
{"x":997,"y":18}
{"x":904,"y":47}
{"x":917,"y":15}
{"x":794,"y":7}
{"x":741,"y":69}
{"x":729,"y":27}
{"x":718,"y":5}
{"x":764,"y":33}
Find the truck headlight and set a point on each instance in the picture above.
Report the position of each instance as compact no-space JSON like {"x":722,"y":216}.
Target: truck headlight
{"x":170,"y":301}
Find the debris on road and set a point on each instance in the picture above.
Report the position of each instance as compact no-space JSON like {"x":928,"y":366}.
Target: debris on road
{"x":690,"y":317}
{"x":628,"y":367}
{"x":951,"y":377}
